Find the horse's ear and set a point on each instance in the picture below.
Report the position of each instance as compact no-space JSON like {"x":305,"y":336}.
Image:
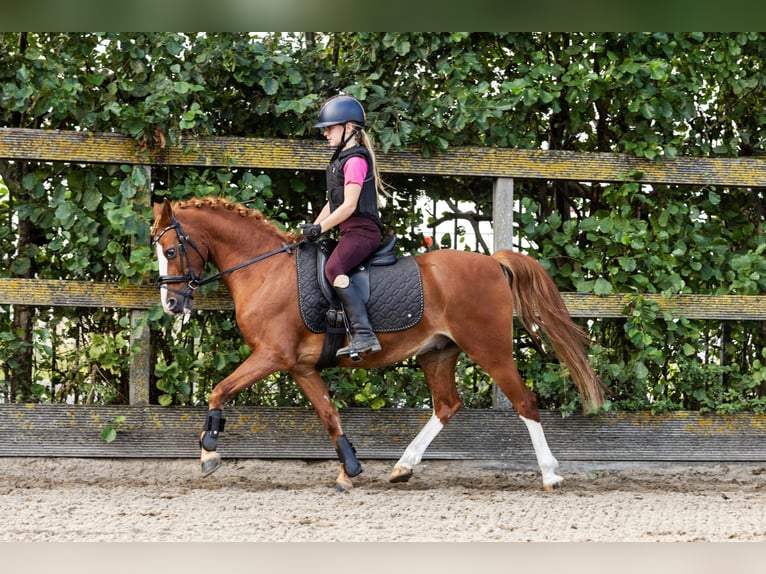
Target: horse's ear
{"x":162,"y":212}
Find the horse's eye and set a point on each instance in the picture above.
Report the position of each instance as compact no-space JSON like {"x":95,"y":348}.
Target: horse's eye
{"x":170,"y":253}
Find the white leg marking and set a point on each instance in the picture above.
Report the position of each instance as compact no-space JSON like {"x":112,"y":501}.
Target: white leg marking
{"x":163,"y":269}
{"x":548,"y":464}
{"x":414,"y":452}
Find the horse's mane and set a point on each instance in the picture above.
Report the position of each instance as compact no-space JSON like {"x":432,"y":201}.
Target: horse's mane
{"x":214,"y":203}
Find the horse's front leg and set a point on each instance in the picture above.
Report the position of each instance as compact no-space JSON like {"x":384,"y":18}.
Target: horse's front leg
{"x":253,"y":369}
{"x":316,"y":392}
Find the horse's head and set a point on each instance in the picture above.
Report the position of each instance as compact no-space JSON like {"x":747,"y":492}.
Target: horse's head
{"x":180,"y":261}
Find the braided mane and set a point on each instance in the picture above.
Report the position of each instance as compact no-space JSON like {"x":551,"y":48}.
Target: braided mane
{"x":219,"y":203}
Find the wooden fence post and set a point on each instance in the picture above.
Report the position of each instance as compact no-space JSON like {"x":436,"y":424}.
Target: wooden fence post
{"x":502,"y":233}
{"x":140,"y":334}
{"x":140,"y":362}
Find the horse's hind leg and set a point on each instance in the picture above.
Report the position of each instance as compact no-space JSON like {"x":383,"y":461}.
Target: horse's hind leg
{"x":502,"y":369}
{"x":413,"y":454}
{"x":439,"y":370}
{"x":525,"y":403}
{"x":548,"y":464}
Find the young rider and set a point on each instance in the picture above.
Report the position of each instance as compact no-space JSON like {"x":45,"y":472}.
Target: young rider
{"x":352,"y":207}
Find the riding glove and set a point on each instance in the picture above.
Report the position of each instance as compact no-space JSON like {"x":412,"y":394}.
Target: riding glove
{"x":311,"y":231}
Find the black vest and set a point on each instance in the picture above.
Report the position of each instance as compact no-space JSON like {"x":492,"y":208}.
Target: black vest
{"x":368,"y":198}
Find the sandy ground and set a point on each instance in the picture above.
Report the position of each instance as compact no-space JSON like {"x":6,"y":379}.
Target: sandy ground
{"x":128,"y":500}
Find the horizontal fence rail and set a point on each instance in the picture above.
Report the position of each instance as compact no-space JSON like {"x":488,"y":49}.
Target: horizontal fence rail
{"x":88,"y":147}
{"x":41,"y":293}
{"x":294,"y":432}
{"x":153,"y":431}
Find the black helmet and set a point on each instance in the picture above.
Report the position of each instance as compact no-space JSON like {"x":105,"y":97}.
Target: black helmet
{"x":339,"y":110}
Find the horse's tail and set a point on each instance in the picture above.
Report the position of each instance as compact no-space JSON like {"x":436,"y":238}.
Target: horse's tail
{"x":540,"y":307}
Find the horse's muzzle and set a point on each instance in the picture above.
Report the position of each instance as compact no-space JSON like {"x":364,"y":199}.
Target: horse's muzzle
{"x":177,"y":302}
{"x":178,"y":306}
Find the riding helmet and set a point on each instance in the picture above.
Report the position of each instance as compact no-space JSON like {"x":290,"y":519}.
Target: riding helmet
{"x":339,"y":110}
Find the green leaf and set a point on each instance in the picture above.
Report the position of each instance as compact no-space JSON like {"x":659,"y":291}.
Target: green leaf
{"x":402,"y":48}
{"x":378,"y":403}
{"x":166,"y":384}
{"x":138,"y":176}
{"x":627,"y":263}
{"x":22,"y":74}
{"x":91,"y":199}
{"x":181,"y":87}
{"x":270,"y":86}
{"x":647,"y":111}
{"x":156,"y":312}
{"x":584,"y":286}
{"x":30,"y":181}
{"x":135,"y":126}
{"x":64,"y":213}
{"x":21,"y":266}
{"x":108,"y":434}
{"x":165,"y":400}
{"x":602,"y":287}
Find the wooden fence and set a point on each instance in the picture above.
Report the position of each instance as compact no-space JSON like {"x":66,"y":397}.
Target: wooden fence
{"x":63,"y":430}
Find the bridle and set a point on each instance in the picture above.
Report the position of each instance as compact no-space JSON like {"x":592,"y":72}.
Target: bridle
{"x":190,"y":277}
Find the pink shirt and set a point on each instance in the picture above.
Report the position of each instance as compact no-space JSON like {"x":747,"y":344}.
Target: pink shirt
{"x":355,"y":170}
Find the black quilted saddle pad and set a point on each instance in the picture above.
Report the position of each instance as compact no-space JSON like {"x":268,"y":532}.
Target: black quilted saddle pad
{"x":396,"y":294}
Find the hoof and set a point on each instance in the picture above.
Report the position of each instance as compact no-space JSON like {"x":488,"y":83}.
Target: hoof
{"x":400,"y":474}
{"x":342,"y":487}
{"x":552,"y":487}
{"x":343,"y":482}
{"x":210,"y":462}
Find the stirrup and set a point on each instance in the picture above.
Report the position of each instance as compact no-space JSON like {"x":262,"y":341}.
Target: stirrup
{"x":354,"y":353}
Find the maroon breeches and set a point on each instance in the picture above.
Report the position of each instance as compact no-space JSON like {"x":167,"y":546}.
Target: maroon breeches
{"x":359,"y":237}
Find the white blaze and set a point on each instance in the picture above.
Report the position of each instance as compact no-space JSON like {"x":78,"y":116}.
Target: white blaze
{"x":163,"y":268}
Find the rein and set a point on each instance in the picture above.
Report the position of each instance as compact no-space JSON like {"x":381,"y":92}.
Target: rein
{"x":284,"y":249}
{"x":192,"y":280}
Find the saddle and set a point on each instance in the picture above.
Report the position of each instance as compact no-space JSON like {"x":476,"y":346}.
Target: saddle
{"x":391,"y":287}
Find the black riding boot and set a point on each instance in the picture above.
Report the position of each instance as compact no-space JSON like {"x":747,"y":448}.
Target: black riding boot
{"x":363,"y":339}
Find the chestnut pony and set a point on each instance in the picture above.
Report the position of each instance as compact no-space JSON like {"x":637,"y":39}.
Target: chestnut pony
{"x":468,"y":302}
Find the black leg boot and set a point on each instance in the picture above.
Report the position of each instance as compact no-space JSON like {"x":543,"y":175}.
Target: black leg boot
{"x":363,"y":339}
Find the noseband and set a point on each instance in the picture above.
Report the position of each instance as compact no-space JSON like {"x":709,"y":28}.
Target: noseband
{"x":190,"y":277}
